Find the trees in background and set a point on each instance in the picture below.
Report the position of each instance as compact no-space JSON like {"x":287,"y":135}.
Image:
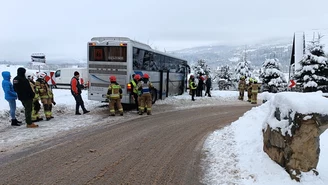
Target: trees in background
{"x":313,"y":72}
{"x":201,"y":68}
{"x":243,"y":68}
{"x":271,"y":75}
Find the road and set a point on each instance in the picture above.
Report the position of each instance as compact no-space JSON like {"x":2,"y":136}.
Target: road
{"x":165,"y":148}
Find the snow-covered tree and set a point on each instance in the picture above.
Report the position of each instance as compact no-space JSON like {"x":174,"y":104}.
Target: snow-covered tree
{"x":226,"y":73}
{"x":201,"y":68}
{"x":313,"y":73}
{"x":271,"y":75}
{"x":243,"y":69}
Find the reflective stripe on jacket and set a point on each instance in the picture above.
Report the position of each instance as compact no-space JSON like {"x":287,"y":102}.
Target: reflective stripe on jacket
{"x":255,"y":88}
{"x":134,"y":86}
{"x":114,"y":91}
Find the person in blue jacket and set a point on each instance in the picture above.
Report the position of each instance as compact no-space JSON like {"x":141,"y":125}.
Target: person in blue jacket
{"x":10,"y":96}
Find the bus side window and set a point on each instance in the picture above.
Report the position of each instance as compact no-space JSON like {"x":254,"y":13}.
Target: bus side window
{"x":156,"y":61}
{"x":146,"y":61}
{"x":152,"y":62}
{"x":137,"y":58}
{"x":167,"y":63}
{"x":57,"y":73}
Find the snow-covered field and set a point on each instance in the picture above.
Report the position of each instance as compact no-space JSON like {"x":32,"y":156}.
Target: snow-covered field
{"x":234,"y":154}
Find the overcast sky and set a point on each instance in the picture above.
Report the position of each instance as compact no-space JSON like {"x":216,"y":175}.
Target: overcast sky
{"x":61,"y":28}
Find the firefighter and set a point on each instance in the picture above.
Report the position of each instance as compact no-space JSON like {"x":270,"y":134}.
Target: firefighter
{"x":249,"y":89}
{"x":241,"y":87}
{"x":192,"y":87}
{"x":255,"y":90}
{"x":134,"y":85}
{"x":114,"y":94}
{"x":145,"y":99}
{"x":35,"y":104}
{"x":46,"y":95}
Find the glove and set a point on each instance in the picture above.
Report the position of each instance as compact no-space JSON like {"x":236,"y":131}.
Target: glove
{"x":54,"y":103}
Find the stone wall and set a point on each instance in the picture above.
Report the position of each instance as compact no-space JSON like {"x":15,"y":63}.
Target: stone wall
{"x":298,"y":152}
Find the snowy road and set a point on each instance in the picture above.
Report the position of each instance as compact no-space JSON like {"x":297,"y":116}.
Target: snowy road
{"x":161,"y":149}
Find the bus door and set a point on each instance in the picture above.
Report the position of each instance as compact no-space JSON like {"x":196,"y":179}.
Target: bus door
{"x":163,"y":84}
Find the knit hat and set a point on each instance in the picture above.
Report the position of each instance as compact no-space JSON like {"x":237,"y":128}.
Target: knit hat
{"x":76,"y":73}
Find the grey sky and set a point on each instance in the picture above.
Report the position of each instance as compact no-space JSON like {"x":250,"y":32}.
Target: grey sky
{"x":61,"y":28}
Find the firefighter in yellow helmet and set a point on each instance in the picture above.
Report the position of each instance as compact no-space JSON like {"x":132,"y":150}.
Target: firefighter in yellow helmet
{"x":255,"y":90}
{"x":114,"y":94}
{"x":249,"y":89}
{"x":145,"y":99}
{"x":241,"y":87}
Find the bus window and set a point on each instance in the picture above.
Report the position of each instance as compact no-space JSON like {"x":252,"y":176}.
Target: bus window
{"x":138,"y":58}
{"x":107,"y":53}
{"x":146,"y":61}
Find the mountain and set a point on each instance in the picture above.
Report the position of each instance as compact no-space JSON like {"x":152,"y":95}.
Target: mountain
{"x":218,"y":55}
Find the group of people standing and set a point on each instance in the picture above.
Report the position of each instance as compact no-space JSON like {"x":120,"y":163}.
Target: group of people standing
{"x":141,"y":93}
{"x":197,"y":89}
{"x":31,"y":92}
{"x":252,"y":89}
{"x":28,"y":92}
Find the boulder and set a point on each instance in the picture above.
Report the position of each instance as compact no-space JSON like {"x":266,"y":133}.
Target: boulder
{"x":298,"y":150}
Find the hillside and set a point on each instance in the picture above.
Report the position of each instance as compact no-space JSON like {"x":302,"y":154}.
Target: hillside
{"x":224,"y":54}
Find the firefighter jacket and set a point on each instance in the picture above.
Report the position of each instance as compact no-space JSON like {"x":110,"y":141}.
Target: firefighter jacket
{"x":145,"y":86}
{"x":249,"y":87}
{"x":134,"y":86}
{"x":255,"y":88}
{"x":192,"y":84}
{"x":241,"y":85}
{"x":36,"y":96}
{"x":43,"y":88}
{"x":114,"y":91}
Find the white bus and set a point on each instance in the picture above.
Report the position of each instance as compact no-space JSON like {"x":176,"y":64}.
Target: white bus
{"x":123,"y":57}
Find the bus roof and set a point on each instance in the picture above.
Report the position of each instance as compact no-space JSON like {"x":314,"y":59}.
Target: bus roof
{"x":103,"y":40}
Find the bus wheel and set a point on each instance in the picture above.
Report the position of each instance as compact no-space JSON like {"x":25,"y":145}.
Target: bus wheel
{"x":154,"y":95}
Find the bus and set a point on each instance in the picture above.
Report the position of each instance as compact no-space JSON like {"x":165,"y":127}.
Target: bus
{"x":123,"y":57}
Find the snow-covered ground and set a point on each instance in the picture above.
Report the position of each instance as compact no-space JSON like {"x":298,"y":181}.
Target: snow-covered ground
{"x":234,"y":154}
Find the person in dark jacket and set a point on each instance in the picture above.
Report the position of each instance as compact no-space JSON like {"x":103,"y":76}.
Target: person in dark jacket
{"x":25,"y":95}
{"x":200,"y":86}
{"x":208,"y":84}
{"x":10,"y":96}
{"x":76,"y":90}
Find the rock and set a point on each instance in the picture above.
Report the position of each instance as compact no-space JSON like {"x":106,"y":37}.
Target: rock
{"x":300,"y":151}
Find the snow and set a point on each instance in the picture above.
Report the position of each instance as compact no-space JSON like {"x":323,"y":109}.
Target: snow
{"x":234,"y":154}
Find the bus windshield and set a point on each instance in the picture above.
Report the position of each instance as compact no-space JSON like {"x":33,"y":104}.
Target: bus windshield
{"x":107,"y":53}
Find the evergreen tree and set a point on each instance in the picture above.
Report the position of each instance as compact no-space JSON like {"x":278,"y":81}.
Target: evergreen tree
{"x":271,"y":75}
{"x":313,"y":73}
{"x":243,"y":69}
{"x":201,"y":68}
{"x":225,"y":73}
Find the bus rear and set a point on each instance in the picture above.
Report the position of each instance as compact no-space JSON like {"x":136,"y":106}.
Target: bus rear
{"x":107,"y":57}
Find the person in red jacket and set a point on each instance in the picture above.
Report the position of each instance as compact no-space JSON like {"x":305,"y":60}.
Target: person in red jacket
{"x":76,"y":90}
